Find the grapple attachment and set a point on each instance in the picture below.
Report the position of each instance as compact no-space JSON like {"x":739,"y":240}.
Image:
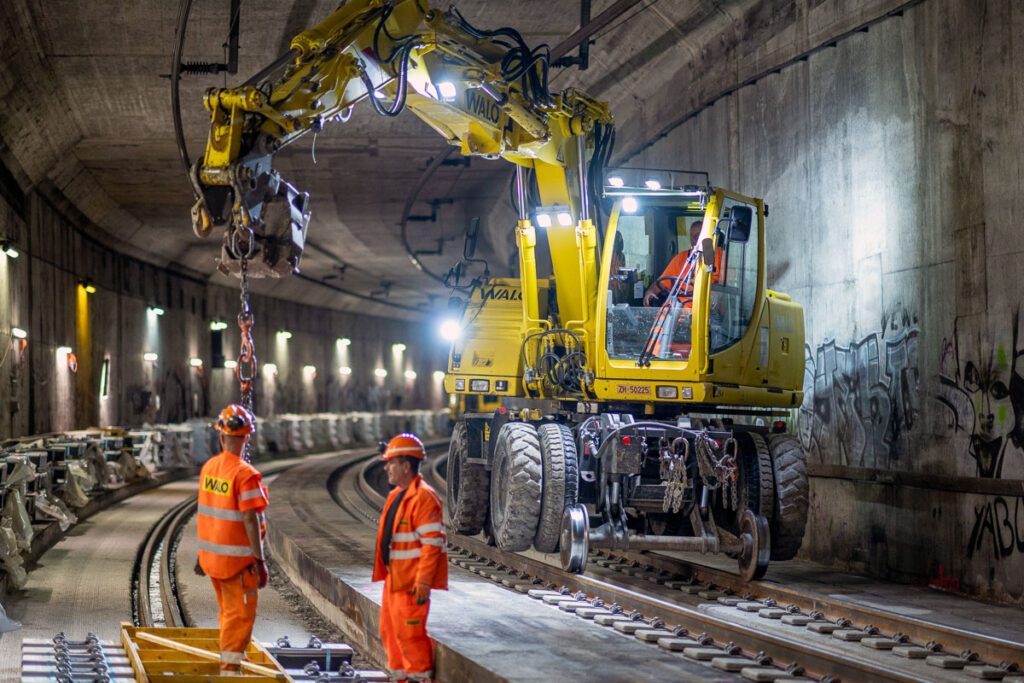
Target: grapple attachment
{"x":266,"y":222}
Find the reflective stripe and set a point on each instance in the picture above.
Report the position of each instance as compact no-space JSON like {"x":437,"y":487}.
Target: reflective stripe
{"x":433,"y":541}
{"x":404,"y":554}
{"x":227,"y":550}
{"x":219,"y":513}
{"x":406,"y":449}
{"x":249,"y":495}
{"x":230,"y":657}
{"x":427,"y":528}
{"x":403,"y":537}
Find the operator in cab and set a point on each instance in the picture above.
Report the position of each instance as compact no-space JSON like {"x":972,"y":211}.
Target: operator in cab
{"x":660,"y":286}
{"x":411,"y":560}
{"x":231,"y":530}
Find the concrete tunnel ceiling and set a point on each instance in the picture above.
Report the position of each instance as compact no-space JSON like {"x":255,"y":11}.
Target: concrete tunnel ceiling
{"x":85,"y":116}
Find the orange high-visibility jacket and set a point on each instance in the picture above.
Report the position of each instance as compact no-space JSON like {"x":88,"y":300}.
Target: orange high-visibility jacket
{"x":417,"y":554}
{"x":228,"y":487}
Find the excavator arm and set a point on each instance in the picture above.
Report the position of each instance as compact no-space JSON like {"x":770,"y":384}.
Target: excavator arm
{"x":485,"y":92}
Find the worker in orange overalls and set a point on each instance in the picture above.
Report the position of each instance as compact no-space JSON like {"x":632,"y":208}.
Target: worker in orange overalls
{"x":230,"y":520}
{"x":410,"y":559}
{"x":676,"y":267}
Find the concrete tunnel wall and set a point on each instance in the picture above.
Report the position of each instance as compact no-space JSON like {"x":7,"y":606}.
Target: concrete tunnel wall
{"x":39,"y":293}
{"x":893,"y":167}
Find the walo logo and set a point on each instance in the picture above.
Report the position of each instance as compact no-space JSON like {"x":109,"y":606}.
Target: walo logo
{"x":501,"y":294}
{"x":482,"y":106}
{"x":220,"y":487}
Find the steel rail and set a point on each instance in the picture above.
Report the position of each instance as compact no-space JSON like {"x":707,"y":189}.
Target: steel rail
{"x":157,"y":540}
{"x":953,"y":640}
{"x":164,"y":537}
{"x":994,"y":650}
{"x":809,"y":656}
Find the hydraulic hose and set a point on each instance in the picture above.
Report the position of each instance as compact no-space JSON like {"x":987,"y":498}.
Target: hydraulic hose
{"x":184,"y":11}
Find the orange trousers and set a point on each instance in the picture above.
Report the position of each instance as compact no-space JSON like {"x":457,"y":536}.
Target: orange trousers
{"x":236,"y":598}
{"x":403,"y":628}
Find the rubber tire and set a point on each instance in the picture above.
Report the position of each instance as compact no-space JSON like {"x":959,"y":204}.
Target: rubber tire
{"x":468,"y":486}
{"x":515,"y":511}
{"x":789,"y":519}
{"x":560,"y":483}
{"x":760,"y":477}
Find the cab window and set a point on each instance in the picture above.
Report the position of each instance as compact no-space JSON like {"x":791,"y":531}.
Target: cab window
{"x":648,"y":252}
{"x":734,"y":292}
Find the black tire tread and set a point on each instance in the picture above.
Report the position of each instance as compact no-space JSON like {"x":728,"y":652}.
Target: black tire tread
{"x":792,"y":492}
{"x":560,"y":483}
{"x":517,"y":443}
{"x":765,"y":485}
{"x":466,"y":514}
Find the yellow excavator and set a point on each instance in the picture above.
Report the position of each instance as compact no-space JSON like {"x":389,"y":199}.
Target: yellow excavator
{"x":641,"y":383}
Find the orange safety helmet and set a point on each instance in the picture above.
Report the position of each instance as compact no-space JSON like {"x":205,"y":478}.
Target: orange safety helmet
{"x":404,"y":444}
{"x":235,"y":420}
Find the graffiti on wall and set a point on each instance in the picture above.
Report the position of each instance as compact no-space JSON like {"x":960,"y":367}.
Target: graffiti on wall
{"x":861,"y":400}
{"x":982,"y":390}
{"x":998,"y":528}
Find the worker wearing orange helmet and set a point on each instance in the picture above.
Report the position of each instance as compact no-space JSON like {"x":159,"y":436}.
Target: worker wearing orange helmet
{"x":410,"y":560}
{"x":230,"y":520}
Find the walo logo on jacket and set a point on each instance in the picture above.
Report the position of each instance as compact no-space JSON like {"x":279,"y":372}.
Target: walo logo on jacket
{"x":220,"y":487}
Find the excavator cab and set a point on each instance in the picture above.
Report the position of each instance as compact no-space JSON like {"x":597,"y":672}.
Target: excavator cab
{"x":686,"y":263}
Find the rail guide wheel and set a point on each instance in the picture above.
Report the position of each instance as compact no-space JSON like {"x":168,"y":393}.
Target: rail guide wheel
{"x":575,"y":539}
{"x":757,"y":549}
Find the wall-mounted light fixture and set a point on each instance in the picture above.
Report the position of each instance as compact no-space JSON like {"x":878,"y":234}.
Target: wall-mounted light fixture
{"x":398,"y":348}
{"x":345,"y":370}
{"x":284,"y":335}
{"x":195,"y":362}
{"x":438,"y":375}
{"x":18,"y":333}
{"x":230,"y":364}
{"x":7,"y":247}
{"x":410,"y":375}
{"x":381,"y":373}
{"x":344,"y":341}
{"x":270,"y":368}
{"x":154,"y":311}
{"x":150,"y":357}
{"x":309,"y":371}
{"x":87,"y":285}
{"x":218,"y":325}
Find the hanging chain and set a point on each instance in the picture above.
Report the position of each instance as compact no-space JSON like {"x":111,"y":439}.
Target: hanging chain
{"x":673,"y":474}
{"x":718,"y":473}
{"x":245,"y":371}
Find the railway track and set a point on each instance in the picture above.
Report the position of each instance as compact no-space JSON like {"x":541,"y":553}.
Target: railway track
{"x":156,"y":600}
{"x":773,"y":631}
{"x":155,"y":597}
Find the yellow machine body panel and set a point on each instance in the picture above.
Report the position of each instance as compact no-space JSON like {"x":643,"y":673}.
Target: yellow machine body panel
{"x":482,"y":362}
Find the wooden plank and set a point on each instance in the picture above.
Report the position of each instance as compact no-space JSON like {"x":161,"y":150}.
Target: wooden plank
{"x":175,"y":633}
{"x":215,"y":656}
{"x":207,"y":678}
{"x":166,"y":654}
{"x":179,"y":667}
{"x":133,"y":654}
